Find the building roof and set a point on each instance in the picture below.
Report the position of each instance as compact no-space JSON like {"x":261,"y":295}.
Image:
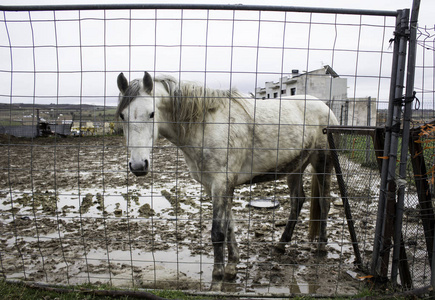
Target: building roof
{"x":326,"y":69}
{"x":330,"y":71}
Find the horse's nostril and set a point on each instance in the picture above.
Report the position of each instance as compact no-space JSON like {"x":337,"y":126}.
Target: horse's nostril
{"x":139,"y":167}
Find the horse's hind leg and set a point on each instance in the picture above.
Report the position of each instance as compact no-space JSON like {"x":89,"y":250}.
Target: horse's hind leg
{"x":297,"y":196}
{"x":323,"y":169}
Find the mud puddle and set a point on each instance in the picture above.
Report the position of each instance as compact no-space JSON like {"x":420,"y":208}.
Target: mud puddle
{"x":98,"y":223}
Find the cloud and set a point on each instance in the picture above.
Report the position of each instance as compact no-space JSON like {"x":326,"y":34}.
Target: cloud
{"x":76,"y":56}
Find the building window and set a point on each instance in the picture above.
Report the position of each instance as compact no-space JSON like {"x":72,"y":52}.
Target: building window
{"x":275,"y":95}
{"x":283,"y":92}
{"x":268,"y":96}
{"x":293,"y":91}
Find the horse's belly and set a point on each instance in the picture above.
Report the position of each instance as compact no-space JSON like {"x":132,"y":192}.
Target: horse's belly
{"x":259,"y":171}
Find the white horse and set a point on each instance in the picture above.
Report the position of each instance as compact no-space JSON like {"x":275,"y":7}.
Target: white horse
{"x":228,"y":140}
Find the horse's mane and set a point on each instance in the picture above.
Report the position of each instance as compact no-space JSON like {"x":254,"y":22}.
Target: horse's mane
{"x":130,"y":94}
{"x":191,"y":102}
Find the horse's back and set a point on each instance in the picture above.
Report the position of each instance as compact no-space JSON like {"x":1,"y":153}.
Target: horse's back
{"x":298,"y":109}
{"x":294,"y":120}
{"x":283,"y":136}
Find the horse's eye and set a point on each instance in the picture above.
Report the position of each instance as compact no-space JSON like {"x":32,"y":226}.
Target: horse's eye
{"x":121,"y":116}
{"x":151,"y":115}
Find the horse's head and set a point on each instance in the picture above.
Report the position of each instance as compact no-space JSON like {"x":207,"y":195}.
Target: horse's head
{"x":136,"y":108}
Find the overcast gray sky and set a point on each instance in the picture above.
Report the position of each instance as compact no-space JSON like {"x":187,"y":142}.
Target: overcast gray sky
{"x":72,"y":64}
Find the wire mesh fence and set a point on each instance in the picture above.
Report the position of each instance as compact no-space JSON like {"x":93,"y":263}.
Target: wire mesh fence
{"x":419,"y":209}
{"x":361,"y":163}
{"x":72,"y":212}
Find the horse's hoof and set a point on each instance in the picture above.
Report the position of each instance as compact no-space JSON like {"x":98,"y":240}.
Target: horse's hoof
{"x":216,"y":286}
{"x":230,"y":272}
{"x":279,"y":249}
{"x":321,"y":249}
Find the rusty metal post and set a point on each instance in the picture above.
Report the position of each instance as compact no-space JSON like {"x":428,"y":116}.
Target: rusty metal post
{"x":423,"y":191}
{"x":344,"y":198}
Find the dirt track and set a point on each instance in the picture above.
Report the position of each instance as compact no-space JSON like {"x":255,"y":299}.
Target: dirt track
{"x":72,"y":213}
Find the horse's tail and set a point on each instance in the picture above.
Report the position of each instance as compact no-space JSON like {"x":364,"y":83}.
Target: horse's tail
{"x":314,"y":224}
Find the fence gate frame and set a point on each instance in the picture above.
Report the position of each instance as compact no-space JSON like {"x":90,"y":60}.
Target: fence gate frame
{"x":390,"y":211}
{"x":388,"y":234}
{"x":405,"y":36}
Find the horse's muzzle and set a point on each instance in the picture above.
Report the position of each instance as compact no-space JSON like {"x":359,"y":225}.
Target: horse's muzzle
{"x":139,"y":169}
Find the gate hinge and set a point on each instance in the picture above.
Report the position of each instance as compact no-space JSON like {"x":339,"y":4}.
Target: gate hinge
{"x":402,"y":101}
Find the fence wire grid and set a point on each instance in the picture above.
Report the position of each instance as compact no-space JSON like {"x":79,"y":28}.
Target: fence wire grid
{"x":72,"y":212}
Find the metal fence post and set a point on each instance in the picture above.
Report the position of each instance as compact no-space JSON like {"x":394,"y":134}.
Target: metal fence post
{"x":408,"y":100}
{"x":396,"y":86}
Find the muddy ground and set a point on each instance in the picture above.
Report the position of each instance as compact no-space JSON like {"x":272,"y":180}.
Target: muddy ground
{"x":72,"y":213}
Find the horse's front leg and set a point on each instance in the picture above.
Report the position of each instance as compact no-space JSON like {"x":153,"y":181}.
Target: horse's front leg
{"x":218,"y":237}
{"x":221,"y":231}
{"x":233,"y":251}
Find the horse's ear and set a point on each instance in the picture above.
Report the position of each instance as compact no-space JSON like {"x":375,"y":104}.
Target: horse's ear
{"x":148,"y":83}
{"x":122,"y":83}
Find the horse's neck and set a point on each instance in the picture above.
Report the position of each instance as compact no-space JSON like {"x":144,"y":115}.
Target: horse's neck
{"x":172,"y":135}
{"x":174,"y":132}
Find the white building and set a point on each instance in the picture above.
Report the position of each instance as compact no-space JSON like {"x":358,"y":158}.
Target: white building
{"x":328,"y":86}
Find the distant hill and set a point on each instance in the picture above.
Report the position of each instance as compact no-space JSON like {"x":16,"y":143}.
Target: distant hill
{"x":23,"y":113}
{"x":30,"y":106}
